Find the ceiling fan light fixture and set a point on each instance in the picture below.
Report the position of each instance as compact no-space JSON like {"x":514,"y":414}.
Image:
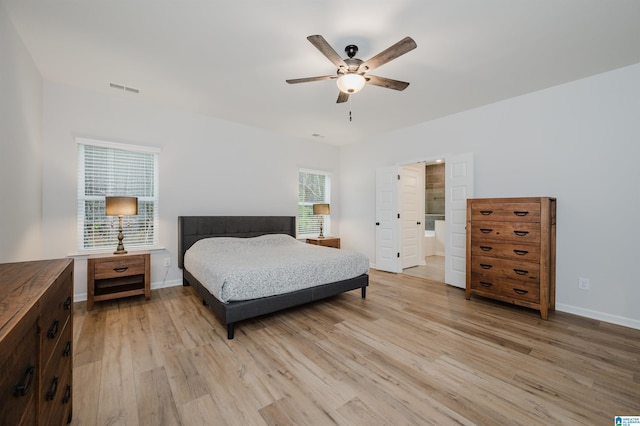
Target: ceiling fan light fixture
{"x":350,"y":83}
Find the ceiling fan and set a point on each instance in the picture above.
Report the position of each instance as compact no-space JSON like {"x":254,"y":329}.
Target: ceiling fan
{"x":351,"y":74}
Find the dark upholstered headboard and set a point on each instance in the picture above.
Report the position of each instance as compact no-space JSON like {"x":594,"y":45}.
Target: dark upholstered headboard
{"x":194,"y":228}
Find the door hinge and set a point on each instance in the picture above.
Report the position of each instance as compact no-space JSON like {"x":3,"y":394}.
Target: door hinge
{"x":398,"y":177}
{"x":398,"y":254}
{"x":398,"y":215}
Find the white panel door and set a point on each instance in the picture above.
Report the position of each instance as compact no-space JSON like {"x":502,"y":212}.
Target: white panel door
{"x":458,"y":187}
{"x":387,"y":251}
{"x":411,"y":187}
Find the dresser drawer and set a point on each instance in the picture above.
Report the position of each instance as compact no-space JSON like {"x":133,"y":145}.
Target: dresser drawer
{"x":504,"y":268}
{"x":114,"y":268}
{"x":55,"y":318}
{"x":55,"y":390}
{"x":520,"y":232}
{"x":505,"y":289}
{"x":510,"y":212}
{"x":506,"y":250}
{"x":19,"y":376}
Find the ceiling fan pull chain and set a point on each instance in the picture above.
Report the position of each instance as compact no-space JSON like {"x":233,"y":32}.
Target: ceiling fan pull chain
{"x":350,"y":108}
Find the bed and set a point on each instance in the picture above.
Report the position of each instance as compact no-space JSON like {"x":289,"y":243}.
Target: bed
{"x":192,"y":229}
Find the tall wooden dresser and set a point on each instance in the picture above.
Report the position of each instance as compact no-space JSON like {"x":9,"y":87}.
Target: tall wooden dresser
{"x":36,"y":342}
{"x":511,"y":251}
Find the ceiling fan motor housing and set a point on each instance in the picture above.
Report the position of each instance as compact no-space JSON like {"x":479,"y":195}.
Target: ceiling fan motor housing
{"x":353,"y":66}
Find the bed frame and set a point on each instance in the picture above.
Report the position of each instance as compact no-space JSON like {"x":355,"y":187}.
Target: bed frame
{"x":194,"y":228}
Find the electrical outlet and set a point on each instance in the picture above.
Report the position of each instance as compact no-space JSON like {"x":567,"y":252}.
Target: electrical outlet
{"x":584,"y":283}
{"x":167,"y":262}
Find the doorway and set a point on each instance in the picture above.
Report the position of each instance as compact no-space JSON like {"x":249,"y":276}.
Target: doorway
{"x":458,"y":187}
{"x":431,"y":235}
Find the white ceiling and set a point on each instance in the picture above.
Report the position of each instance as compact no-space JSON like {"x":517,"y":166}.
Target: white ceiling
{"x":230,"y":59}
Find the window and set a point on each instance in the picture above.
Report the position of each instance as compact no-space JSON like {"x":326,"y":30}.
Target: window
{"x":313,"y":188}
{"x":106,"y":168}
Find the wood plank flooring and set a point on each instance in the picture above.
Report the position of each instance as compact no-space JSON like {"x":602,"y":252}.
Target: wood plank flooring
{"x":414,"y":352}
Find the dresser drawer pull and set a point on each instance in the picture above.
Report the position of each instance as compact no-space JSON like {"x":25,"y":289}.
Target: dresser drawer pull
{"x":519,"y":291}
{"x":485,"y":230}
{"x":520,"y":252}
{"x":486,"y":248}
{"x":24,"y":386}
{"x":485,"y":284}
{"x":520,"y":271}
{"x":520,"y":213}
{"x":67,"y":349}
{"x":521,"y":233}
{"x":486,"y":212}
{"x":67,"y":395}
{"x":486,"y":266}
{"x":53,"y":388}
{"x":53,"y":330}
{"x":124,"y":268}
{"x":67,"y":304}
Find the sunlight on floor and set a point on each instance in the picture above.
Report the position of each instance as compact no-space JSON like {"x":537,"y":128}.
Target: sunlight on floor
{"x":433,"y":270}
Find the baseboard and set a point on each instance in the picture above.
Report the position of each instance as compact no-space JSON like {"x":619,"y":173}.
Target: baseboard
{"x":81,"y":297}
{"x":600,"y":316}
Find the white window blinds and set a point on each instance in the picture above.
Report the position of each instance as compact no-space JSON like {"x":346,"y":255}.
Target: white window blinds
{"x":313,"y":188}
{"x":110,"y":169}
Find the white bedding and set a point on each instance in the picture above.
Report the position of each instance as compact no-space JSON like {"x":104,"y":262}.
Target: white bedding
{"x":234,"y":269}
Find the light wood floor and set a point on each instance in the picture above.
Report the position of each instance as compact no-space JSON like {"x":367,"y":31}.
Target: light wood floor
{"x":433,"y":269}
{"x":413,"y":352}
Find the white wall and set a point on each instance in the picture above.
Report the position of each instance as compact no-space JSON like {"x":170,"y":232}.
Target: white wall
{"x":20,"y":134}
{"x":207,"y":167}
{"x":579,"y":142}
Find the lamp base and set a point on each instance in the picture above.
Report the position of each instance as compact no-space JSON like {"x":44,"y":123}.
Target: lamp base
{"x":120,"y":249}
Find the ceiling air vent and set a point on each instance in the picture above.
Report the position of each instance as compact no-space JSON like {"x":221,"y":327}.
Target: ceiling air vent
{"x":124,"y":88}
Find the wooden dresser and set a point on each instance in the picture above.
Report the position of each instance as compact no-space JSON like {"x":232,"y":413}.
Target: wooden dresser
{"x":36,"y":342}
{"x":511,"y":251}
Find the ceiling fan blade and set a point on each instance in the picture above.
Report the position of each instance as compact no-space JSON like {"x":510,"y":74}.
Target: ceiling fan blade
{"x":321,"y":44}
{"x":309,"y":79}
{"x":400,"y":48}
{"x":342,"y":97}
{"x":386,"y":82}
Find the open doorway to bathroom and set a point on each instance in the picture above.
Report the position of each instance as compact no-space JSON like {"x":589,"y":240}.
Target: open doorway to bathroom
{"x":433,"y":232}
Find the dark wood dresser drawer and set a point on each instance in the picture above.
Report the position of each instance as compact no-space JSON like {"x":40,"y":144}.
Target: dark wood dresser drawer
{"x":19,"y":375}
{"x":505,"y":250}
{"x":505,"y":268}
{"x":505,"y":289}
{"x":507,"y":212}
{"x":55,"y":393}
{"x":518,"y":232}
{"x":54,"y":319}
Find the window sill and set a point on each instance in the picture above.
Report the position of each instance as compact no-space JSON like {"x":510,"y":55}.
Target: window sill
{"x":135,"y":250}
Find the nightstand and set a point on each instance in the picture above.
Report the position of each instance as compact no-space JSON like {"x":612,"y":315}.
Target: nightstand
{"x":118,"y":276}
{"x":326,"y":241}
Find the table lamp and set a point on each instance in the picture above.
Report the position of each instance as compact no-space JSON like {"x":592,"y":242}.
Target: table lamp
{"x":121,"y":206}
{"x":321,"y":209}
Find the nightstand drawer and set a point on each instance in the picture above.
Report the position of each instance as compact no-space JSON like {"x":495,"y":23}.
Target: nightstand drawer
{"x":132,"y":265}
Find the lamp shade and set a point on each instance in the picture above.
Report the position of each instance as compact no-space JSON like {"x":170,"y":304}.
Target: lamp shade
{"x":350,"y":83}
{"x":319,"y":209}
{"x":121,"y":206}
